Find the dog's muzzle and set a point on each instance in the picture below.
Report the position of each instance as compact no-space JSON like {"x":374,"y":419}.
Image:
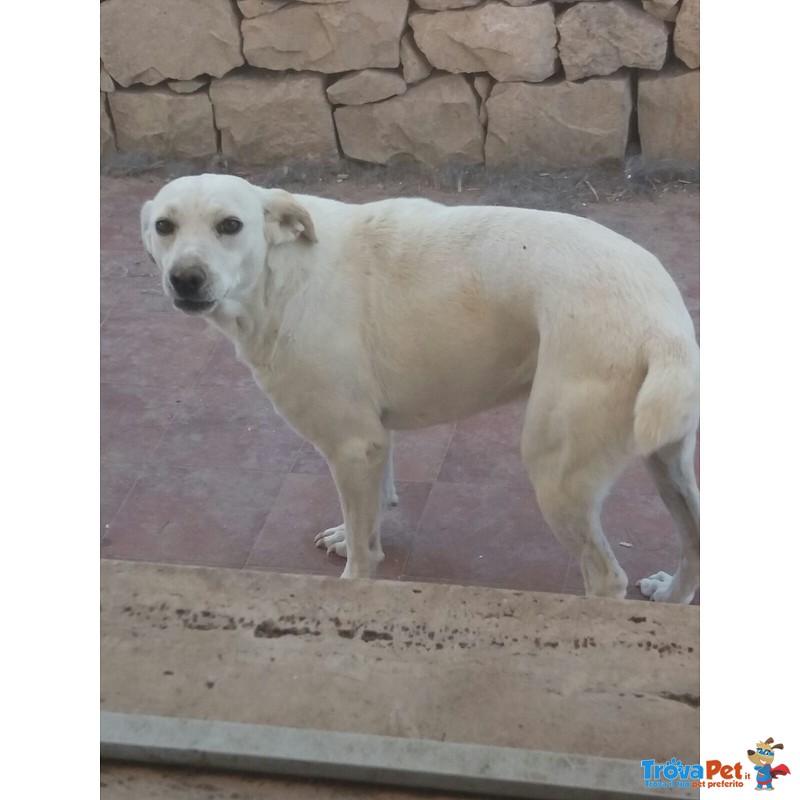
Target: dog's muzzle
{"x":189,"y":288}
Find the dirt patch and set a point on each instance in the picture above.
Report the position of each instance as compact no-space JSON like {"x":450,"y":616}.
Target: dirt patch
{"x":357,"y":182}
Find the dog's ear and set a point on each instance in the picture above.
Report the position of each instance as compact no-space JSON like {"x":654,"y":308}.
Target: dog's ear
{"x":147,"y":234}
{"x":285,"y":220}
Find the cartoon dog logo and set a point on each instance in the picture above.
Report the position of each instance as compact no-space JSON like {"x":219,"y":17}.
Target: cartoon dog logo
{"x":762,"y":757}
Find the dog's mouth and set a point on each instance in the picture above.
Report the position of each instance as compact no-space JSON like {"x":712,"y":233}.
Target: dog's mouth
{"x":194,"y":306}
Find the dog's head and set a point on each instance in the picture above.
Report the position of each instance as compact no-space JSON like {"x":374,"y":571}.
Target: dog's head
{"x":764,"y":752}
{"x":210,"y":235}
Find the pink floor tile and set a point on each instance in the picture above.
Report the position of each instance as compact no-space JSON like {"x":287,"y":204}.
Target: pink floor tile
{"x":117,"y":479}
{"x":231,"y":427}
{"x":641,"y":520}
{"x":134,"y":418}
{"x":155,"y":349}
{"x":310,"y":461}
{"x":308,"y":504}
{"x":224,"y":369}
{"x":133,"y":294}
{"x":128,"y":279}
{"x":486,"y":447}
{"x":126,"y":261}
{"x":418,"y":455}
{"x":209,"y":516}
{"x":486,"y":533}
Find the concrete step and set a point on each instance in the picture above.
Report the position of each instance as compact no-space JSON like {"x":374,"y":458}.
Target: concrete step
{"x":443,"y":663}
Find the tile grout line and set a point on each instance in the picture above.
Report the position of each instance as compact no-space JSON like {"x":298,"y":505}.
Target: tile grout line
{"x":412,"y":538}
{"x":110,"y":524}
{"x":444,"y":456}
{"x":401,"y":575}
{"x":196,"y":386}
{"x":148,"y":462}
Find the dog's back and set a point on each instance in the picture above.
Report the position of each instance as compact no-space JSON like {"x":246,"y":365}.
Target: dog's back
{"x":456,"y":302}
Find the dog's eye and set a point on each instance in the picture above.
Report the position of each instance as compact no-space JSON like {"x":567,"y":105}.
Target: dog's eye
{"x":164,"y":227}
{"x":229,"y":225}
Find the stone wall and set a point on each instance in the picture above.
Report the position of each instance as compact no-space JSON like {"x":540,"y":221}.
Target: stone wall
{"x":553,"y":84}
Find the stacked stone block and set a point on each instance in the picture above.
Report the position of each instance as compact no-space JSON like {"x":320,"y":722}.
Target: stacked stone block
{"x":556,"y":84}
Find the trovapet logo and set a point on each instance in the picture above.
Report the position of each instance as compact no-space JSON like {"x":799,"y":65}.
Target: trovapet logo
{"x":715,"y":774}
{"x":674,"y":774}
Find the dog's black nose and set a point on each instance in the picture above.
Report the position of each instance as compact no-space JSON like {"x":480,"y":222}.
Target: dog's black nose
{"x":187,"y":281}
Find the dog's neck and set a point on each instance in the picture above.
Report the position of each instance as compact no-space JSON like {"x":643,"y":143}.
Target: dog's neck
{"x":253,"y":321}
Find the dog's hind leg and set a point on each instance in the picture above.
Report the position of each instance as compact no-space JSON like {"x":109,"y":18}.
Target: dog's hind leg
{"x":388,"y":491}
{"x":672,"y":470}
{"x":574,"y":445}
{"x":334,"y":540}
{"x":357,"y":464}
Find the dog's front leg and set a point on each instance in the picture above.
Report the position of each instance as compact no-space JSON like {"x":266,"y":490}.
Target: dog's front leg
{"x":334,"y":540}
{"x":358,"y":466}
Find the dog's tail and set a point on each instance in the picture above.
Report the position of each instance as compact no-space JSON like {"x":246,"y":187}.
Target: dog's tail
{"x":668,"y":404}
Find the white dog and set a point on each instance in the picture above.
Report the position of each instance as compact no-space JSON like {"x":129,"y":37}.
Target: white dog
{"x":357,"y":320}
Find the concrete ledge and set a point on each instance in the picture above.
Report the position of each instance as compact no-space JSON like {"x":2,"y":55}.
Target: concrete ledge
{"x":408,"y":661}
{"x":382,"y":760}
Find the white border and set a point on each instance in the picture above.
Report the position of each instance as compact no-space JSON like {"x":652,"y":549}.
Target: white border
{"x":751,"y":422}
{"x":50,"y":587}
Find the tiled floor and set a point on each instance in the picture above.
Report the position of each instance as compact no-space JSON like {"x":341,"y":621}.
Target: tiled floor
{"x":197,"y":468}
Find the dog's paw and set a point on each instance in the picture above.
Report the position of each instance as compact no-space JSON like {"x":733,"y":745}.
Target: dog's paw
{"x":333,"y":540}
{"x":656,"y":587}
